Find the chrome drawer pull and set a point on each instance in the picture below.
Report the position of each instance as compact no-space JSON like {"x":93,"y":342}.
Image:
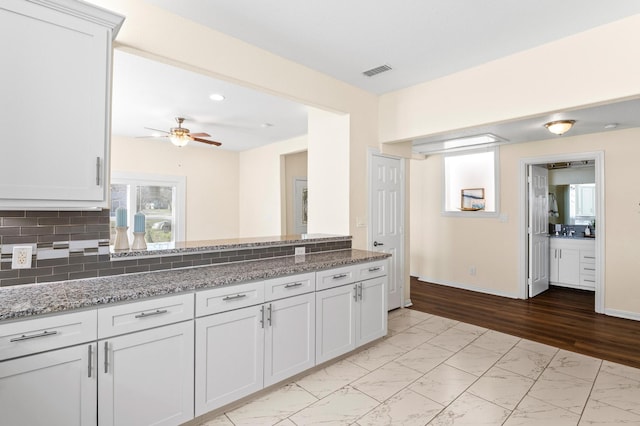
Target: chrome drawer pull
{"x":34,"y":336}
{"x":337,"y":277}
{"x":293,"y":285}
{"x":150,"y":314}
{"x":237,"y":296}
{"x":589,"y":257}
{"x":591,"y":281}
{"x":90,"y":356}
{"x":106,"y":357}
{"x":355,"y":292}
{"x":377,"y":268}
{"x":589,"y":269}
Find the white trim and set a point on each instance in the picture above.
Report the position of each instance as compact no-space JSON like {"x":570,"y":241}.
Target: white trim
{"x":598,"y":156}
{"x":371,"y":152}
{"x":623,"y":314}
{"x":496,"y":184}
{"x":180,"y":182}
{"x":407,"y":303}
{"x":469,"y":287}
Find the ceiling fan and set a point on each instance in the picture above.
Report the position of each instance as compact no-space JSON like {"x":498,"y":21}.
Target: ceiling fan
{"x":180,"y":136}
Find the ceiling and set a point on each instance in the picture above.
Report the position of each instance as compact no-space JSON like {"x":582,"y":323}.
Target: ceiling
{"x":420,"y":39}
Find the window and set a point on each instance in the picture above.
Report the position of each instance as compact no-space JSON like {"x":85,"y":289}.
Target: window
{"x":160,"y":198}
{"x":470,"y":183}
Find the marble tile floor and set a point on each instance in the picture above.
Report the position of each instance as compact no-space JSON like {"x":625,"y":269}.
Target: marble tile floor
{"x":431,"y":370}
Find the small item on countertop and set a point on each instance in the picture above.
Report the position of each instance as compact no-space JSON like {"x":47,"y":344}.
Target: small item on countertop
{"x":121,"y":217}
{"x":138,"y":222}
{"x":587,"y":231}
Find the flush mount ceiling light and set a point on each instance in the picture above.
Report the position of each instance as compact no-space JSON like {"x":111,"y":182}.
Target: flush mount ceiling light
{"x":560,"y":127}
{"x":217,"y":97}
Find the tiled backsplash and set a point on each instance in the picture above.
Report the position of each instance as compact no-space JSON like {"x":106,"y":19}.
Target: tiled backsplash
{"x":75,"y":244}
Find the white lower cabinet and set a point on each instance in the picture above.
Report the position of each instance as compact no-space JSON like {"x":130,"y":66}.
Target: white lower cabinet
{"x":146,"y":378}
{"x":572,"y":263}
{"x":239,"y":352}
{"x":58,"y":387}
{"x":349,"y":316}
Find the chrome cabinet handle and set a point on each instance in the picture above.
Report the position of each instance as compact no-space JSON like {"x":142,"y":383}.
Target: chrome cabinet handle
{"x":34,"y":336}
{"x":376,"y":244}
{"x":377,"y":268}
{"x":355,"y":292}
{"x":269,"y":314}
{"x":150,"y":314}
{"x":591,"y":281}
{"x":360,"y":291}
{"x":262,"y":316}
{"x":337,"y":277}
{"x":589,"y":257}
{"x":98,"y":171}
{"x":90,"y":353}
{"x":106,"y":357}
{"x":589,"y":269}
{"x":293,"y":285}
{"x":237,"y":296}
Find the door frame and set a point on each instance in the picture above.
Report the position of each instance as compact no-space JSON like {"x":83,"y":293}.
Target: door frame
{"x":298,"y":205}
{"x":404,"y":302}
{"x":598,"y":156}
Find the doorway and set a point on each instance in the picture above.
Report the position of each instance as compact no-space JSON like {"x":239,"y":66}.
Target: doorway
{"x":527,"y":211}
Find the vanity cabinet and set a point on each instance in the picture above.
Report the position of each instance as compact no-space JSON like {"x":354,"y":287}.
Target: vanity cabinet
{"x":350,"y":311}
{"x":244,"y":349}
{"x":43,"y":381}
{"x":55,"y":103}
{"x":572,"y":263}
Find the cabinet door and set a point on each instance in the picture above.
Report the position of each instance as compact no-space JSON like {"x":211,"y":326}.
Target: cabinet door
{"x":553,"y":264}
{"x":569,"y":266}
{"x":54,"y":103}
{"x":335,"y":322}
{"x":147,"y":377}
{"x":52,"y":388}
{"x":371,"y":321}
{"x":229,"y":357}
{"x":289,"y":337}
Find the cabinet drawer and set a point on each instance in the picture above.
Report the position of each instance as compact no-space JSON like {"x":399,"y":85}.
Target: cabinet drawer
{"x":588,"y":269}
{"x":587,"y":256}
{"x":588,"y":282}
{"x":371,"y":270}
{"x":279,"y":288}
{"x":136,"y":316}
{"x":335,"y":277}
{"x":43,"y":334}
{"x":227,"y":298}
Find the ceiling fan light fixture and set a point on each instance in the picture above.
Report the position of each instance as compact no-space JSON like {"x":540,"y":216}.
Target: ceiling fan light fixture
{"x":559,"y":127}
{"x":179,"y":140}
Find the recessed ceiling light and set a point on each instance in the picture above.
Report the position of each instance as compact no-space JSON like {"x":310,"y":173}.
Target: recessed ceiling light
{"x":216,"y":97}
{"x":611,"y":126}
{"x":265,"y":125}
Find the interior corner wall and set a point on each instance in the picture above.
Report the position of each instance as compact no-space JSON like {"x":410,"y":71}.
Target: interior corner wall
{"x":211,"y":175}
{"x":260,"y":187}
{"x":328,"y":173}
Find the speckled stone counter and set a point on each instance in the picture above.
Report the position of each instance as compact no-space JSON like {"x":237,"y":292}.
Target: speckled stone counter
{"x":164,"y":249}
{"x":37,"y":299}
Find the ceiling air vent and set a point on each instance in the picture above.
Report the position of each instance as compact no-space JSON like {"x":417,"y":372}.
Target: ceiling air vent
{"x":377,"y":70}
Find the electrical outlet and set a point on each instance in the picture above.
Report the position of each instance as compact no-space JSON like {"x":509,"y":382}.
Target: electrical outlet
{"x":21,"y":258}
{"x":299,"y":251}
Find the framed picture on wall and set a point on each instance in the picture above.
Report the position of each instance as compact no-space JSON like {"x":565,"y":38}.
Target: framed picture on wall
{"x":472,"y":199}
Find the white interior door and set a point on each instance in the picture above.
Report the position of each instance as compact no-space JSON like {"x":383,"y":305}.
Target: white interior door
{"x":386,"y":180}
{"x":538,"y":230}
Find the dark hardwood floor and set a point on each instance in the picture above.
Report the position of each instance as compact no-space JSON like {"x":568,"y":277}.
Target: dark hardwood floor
{"x":560,"y":317}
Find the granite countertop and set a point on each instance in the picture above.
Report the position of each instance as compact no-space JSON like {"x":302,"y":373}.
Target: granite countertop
{"x":37,"y":299}
{"x":163,"y":249}
{"x":574,"y":237}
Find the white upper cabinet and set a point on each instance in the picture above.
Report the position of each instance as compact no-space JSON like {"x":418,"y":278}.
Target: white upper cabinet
{"x":55,"y":103}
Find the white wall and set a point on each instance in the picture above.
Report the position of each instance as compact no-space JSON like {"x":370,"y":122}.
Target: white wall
{"x":260,"y":187}
{"x":211,"y":174}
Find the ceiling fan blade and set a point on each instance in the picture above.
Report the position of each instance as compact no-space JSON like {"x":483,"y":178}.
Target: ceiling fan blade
{"x":200,"y":135}
{"x":206,"y":141}
{"x":157,"y":130}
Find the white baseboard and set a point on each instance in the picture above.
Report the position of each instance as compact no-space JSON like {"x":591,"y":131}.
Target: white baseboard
{"x":471,"y":288}
{"x":622,"y":314}
{"x":408,"y":303}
